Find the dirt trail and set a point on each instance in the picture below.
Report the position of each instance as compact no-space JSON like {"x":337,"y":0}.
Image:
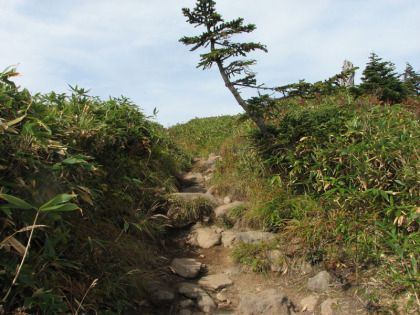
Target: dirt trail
{"x":209,"y":249}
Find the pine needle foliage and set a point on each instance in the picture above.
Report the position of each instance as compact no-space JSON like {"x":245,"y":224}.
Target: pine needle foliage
{"x":217,"y":37}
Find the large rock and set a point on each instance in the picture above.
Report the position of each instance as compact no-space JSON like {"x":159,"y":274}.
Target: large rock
{"x":196,"y":178}
{"x":194,"y":291}
{"x":186,"y":267}
{"x":215,"y":282}
{"x":159,"y":292}
{"x":228,"y":238}
{"x":194,"y":189}
{"x":231,"y":237}
{"x":190,"y":196}
{"x":254,"y":236}
{"x":207,"y":237}
{"x":319,"y":283}
{"x":269,"y":302}
{"x":226,"y":208}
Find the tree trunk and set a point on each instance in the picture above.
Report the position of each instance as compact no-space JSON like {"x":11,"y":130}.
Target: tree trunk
{"x":258,"y":121}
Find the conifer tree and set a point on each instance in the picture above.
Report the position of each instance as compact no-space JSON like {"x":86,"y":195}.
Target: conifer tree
{"x":380,"y":79}
{"x":217,"y":38}
{"x":411,"y":80}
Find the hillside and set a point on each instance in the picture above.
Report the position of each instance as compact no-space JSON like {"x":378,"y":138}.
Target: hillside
{"x":97,"y":201}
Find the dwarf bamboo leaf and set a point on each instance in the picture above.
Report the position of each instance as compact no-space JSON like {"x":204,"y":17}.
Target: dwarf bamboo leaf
{"x":63,"y":207}
{"x":16,"y":202}
{"x":57,"y":200}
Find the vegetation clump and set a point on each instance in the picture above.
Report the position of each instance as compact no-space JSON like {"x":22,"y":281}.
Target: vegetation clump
{"x":80,"y":196}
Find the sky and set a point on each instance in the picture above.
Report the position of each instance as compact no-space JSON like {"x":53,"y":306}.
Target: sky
{"x":131,"y":48}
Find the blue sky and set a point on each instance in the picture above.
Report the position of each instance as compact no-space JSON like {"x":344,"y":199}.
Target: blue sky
{"x":131,"y":48}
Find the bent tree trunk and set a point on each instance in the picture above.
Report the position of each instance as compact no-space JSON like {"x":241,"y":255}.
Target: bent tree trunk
{"x":258,"y":121}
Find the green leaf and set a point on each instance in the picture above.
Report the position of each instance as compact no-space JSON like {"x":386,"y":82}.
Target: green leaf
{"x":63,"y":207}
{"x":15,"y":121}
{"x":384,"y":195}
{"x":138,"y":226}
{"x":18,"y":203}
{"x":73,"y":160}
{"x":57,"y":200}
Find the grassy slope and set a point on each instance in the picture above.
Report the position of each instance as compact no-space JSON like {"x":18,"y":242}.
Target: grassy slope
{"x":116,"y":162}
{"x":341,"y":176}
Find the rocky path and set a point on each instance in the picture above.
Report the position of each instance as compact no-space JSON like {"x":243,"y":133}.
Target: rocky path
{"x":202,"y":277}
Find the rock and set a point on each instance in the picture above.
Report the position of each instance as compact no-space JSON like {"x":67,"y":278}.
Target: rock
{"x":159,"y":292}
{"x":186,"y":267}
{"x":215,"y":282}
{"x":194,"y":189}
{"x":221,"y":297}
{"x":277,"y":260}
{"x":204,"y":301}
{"x":219,"y":230}
{"x":228,"y":238}
{"x":268,"y":302}
{"x":226,"y":208}
{"x":207,"y":238}
{"x":254,"y":236}
{"x":233,"y":271}
{"x":196,"y":178}
{"x":186,"y":304}
{"x":305,"y":267}
{"x":309,"y":303}
{"x":213,"y":158}
{"x":208,"y":178}
{"x":185,"y":312}
{"x":227,"y":200}
{"x":212,"y":190}
{"x":319,"y":283}
{"x":329,"y":307}
{"x":193,"y":196}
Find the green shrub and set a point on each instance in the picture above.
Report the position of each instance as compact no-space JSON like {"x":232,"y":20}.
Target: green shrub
{"x":352,"y":166}
{"x":109,"y":155}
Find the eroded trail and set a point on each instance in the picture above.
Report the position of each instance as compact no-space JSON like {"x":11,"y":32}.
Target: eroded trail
{"x":202,"y":277}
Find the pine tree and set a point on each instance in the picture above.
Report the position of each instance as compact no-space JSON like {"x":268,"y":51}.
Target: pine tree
{"x":217,"y":37}
{"x":411,"y":80}
{"x":380,"y":79}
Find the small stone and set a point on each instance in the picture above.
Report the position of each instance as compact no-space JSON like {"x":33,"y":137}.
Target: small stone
{"x":219,"y":230}
{"x":221,"y":297}
{"x":204,"y":301}
{"x":268,"y":302}
{"x":207,"y":238}
{"x":305,"y":267}
{"x":329,"y":307}
{"x":309,"y":303}
{"x":277,"y":260}
{"x":319,"y":283}
{"x":215,"y":282}
{"x":186,"y":267}
{"x":227,"y":200}
{"x":202,"y":256}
